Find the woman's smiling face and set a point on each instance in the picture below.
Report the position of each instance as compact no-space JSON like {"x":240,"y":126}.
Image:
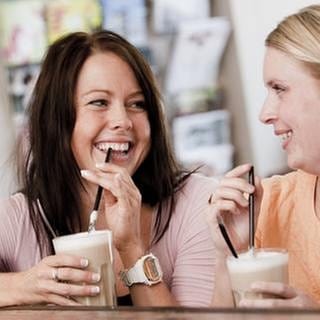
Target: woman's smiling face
{"x":292,"y":106}
{"x":110,"y":112}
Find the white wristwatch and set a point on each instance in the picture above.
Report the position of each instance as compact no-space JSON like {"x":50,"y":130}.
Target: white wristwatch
{"x":146,"y":270}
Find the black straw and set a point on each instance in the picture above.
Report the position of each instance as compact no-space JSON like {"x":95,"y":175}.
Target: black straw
{"x":224,"y":232}
{"x":251,"y":210}
{"x":100,"y":189}
{"x":226,"y":237}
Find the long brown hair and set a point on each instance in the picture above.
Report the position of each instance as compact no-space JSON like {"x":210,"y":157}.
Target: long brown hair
{"x":51,"y":173}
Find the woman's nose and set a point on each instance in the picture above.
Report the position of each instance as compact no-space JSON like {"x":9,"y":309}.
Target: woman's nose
{"x":119,"y":118}
{"x":269,"y":112}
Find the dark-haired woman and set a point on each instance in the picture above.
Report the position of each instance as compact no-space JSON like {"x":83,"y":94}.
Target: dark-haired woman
{"x":95,"y":92}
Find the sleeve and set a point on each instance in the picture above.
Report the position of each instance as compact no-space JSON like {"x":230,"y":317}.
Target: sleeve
{"x":8,"y":233}
{"x":193,"y":275}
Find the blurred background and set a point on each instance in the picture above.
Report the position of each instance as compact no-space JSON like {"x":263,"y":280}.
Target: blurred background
{"x":206,"y":55}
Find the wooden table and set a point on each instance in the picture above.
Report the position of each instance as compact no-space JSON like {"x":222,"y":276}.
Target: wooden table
{"x":130,"y":313}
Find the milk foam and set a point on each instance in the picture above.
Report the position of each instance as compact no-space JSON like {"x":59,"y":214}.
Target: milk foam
{"x":269,"y":265}
{"x":96,"y":246}
{"x":260,"y":260}
{"x":83,"y":240}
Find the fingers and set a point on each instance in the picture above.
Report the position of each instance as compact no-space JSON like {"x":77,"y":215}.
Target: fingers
{"x":227,"y":193}
{"x":239,"y":171}
{"x":55,"y":274}
{"x":110,"y":179}
{"x":126,"y":191}
{"x":263,"y":303}
{"x":68,"y":281}
{"x":282,"y":295}
{"x":275,"y":288}
{"x":55,"y":279}
{"x":63,"y":267}
{"x":61,"y":300}
{"x":237,"y":183}
{"x":61,"y":260}
{"x":75,"y":275}
{"x":67,"y":289}
{"x":230,"y":202}
{"x":49,"y":267}
{"x":234,"y":188}
{"x":117,"y":183}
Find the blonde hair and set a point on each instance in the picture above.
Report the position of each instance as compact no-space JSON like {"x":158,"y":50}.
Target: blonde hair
{"x":298,"y":35}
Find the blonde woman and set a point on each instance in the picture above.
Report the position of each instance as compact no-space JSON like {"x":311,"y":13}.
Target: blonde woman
{"x":288,"y":206}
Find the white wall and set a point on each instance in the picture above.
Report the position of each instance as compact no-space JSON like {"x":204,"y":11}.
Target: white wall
{"x":252,"y":20}
{"x":7,"y":141}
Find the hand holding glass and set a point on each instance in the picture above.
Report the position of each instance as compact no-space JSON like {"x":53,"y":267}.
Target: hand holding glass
{"x":270,"y":265}
{"x":97,"y":248}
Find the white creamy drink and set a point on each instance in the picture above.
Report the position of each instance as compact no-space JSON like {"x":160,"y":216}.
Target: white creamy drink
{"x":269,"y":265}
{"x":97,"y":248}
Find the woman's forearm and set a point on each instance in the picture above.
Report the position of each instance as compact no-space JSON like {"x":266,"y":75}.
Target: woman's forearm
{"x":8,"y":290}
{"x":155,"y":295}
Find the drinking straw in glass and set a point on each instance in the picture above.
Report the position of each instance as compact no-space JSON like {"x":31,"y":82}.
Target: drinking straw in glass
{"x":94,"y":213}
{"x":225,"y":233}
{"x":251,"y":210}
{"x":226,"y":237}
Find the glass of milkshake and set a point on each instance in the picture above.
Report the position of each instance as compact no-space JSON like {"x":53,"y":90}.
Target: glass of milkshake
{"x":270,"y":265}
{"x":96,"y":246}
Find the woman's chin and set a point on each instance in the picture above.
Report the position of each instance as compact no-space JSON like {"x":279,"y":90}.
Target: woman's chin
{"x":299,"y":164}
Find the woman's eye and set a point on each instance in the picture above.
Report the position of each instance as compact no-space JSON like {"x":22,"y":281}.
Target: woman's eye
{"x":278,"y":89}
{"x":140,"y":105}
{"x":99,"y":102}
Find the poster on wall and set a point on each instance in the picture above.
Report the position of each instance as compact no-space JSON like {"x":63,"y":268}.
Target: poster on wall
{"x":64,"y":16}
{"x":21,"y":80}
{"x":127,"y":18}
{"x":203,"y":139}
{"x":167,"y":14}
{"x":23,"y":38}
{"x":197,"y":52}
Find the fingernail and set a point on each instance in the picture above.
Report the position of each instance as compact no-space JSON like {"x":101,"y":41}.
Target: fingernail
{"x":96,"y":277}
{"x":85,"y":173}
{"x":84,"y":262}
{"x":95,"y":290}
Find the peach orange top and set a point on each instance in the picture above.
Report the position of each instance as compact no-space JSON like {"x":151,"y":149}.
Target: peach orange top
{"x":288,"y":220}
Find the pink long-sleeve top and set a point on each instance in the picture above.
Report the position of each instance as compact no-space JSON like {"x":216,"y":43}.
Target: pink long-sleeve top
{"x":186,"y":252}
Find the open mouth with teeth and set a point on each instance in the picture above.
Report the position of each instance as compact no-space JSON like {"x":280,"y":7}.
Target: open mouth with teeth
{"x":286,"y":136}
{"x":118,"y":149}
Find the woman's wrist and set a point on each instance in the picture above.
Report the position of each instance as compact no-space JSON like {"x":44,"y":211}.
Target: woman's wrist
{"x":10,"y":292}
{"x":130,"y":255}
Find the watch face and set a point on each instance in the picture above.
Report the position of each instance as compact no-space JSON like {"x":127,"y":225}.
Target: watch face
{"x":151,"y":269}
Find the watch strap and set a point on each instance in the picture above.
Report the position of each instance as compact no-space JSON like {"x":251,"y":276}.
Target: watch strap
{"x":133,"y":275}
{"x":136,"y":274}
